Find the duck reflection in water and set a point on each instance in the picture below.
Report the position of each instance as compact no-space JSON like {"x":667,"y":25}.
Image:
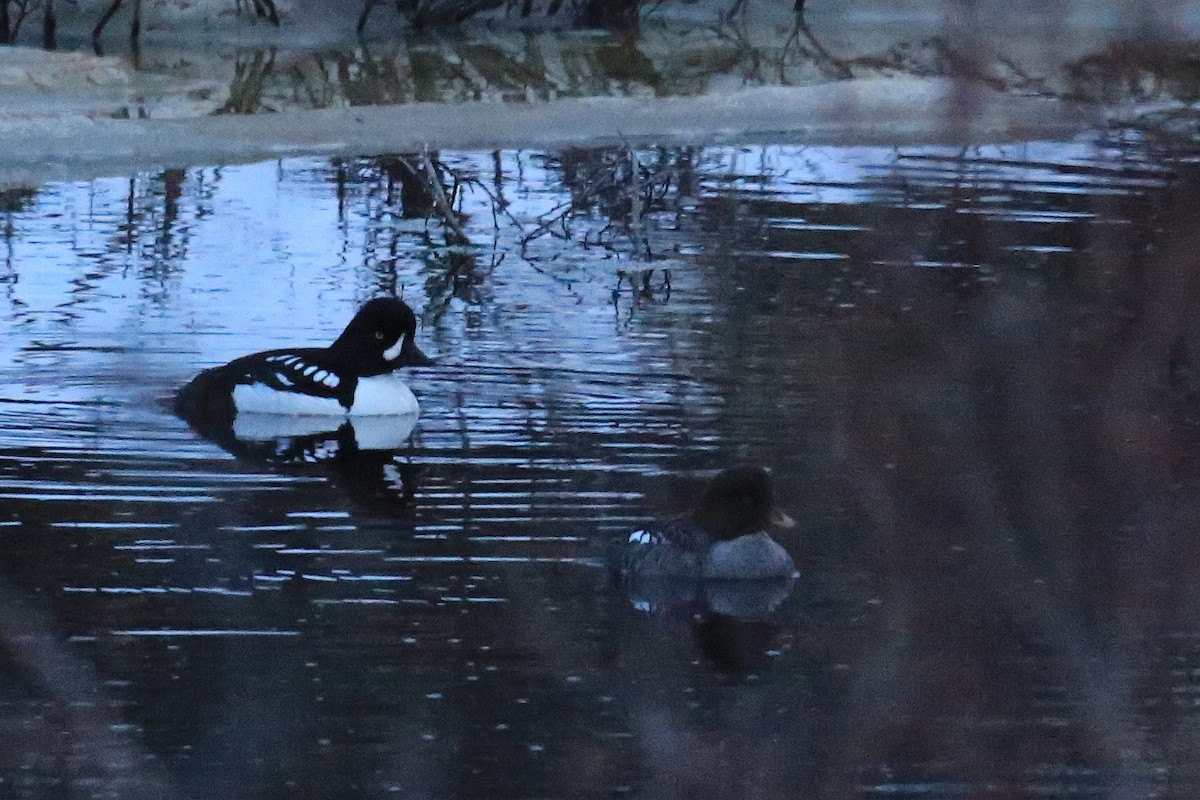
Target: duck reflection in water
{"x":359,"y":455}
{"x":734,"y":646}
{"x":733,"y":622}
{"x":719,"y":565}
{"x":280,"y":441}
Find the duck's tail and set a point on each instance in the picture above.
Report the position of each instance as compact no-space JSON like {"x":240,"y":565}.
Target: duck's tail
{"x":207,"y":399}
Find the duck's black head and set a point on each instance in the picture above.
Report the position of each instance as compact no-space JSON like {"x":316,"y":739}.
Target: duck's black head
{"x":381,"y":337}
{"x":738,"y":501}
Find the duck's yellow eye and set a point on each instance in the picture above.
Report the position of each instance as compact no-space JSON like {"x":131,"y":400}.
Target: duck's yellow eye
{"x":378,"y":334}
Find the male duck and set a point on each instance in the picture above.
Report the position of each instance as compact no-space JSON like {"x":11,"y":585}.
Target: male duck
{"x":350,"y":377}
{"x":725,"y":537}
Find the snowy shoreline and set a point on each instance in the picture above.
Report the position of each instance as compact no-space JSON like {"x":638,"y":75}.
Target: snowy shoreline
{"x":871,"y":111}
{"x":219,"y":89}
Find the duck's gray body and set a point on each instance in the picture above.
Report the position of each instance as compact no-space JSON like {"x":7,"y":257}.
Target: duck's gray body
{"x":682,"y":550}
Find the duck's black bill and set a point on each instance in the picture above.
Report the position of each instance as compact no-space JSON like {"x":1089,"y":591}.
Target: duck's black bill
{"x":411,"y":356}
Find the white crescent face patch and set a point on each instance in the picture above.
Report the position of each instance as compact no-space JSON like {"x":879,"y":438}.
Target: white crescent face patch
{"x":393,"y":352}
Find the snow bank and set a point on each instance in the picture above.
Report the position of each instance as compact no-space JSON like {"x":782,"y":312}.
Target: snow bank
{"x":872,"y":111}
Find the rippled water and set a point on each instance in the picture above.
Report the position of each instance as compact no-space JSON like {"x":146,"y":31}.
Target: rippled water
{"x":968,"y":370}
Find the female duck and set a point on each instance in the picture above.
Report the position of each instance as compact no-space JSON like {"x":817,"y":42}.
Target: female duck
{"x":350,"y":377}
{"x":725,"y":537}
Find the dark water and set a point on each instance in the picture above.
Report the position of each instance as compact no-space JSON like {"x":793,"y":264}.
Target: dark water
{"x":970,"y":370}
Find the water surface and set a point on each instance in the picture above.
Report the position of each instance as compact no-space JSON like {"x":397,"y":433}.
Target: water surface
{"x":970,"y":370}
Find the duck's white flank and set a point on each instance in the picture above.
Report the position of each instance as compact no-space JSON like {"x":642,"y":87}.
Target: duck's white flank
{"x":382,"y":395}
{"x":258,"y":398}
{"x":370,"y":433}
